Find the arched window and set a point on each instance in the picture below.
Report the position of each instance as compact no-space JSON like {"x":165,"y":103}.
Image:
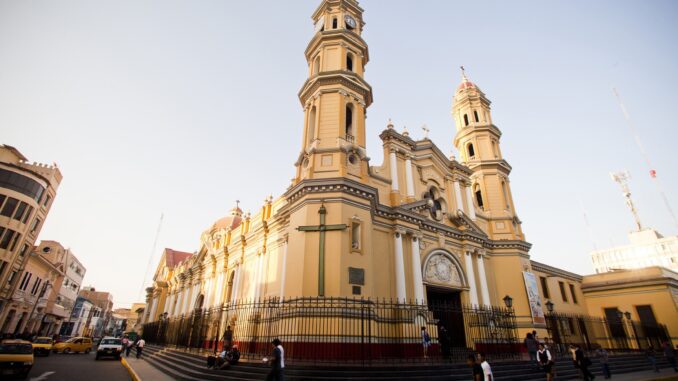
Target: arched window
{"x":479,"y":196}
{"x":316,"y":65}
{"x":349,"y":121}
{"x":349,"y":62}
{"x":334,"y":23}
{"x":494,"y":148}
{"x":311,"y":126}
{"x":475,"y":115}
{"x":506,"y":199}
{"x":465,"y":120}
{"x":471,"y":151}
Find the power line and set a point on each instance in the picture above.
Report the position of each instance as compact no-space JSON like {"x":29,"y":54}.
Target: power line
{"x":150,"y":257}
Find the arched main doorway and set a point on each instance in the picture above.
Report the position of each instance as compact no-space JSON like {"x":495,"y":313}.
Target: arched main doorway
{"x":445,"y":280}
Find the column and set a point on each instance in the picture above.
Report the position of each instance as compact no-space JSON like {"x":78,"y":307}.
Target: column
{"x":469,"y":201}
{"x":471,"y":278}
{"x":154,"y":305}
{"x":257,"y":279}
{"x":177,"y":306}
{"x":399,"y":268}
{"x":208,"y":292}
{"x":416,"y":272}
{"x":483,"y":280}
{"x":220,"y":289}
{"x":394,"y":171}
{"x":236,"y":284}
{"x":457,"y":194}
{"x":409,"y":178}
{"x":283,"y":271}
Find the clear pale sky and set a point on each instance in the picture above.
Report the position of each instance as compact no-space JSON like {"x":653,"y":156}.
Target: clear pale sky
{"x":182,"y":107}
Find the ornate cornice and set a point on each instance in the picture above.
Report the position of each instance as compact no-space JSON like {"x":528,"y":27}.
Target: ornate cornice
{"x":348,"y":79}
{"x":538,"y":266}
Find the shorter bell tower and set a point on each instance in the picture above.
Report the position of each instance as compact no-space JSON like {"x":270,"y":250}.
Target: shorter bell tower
{"x":477,"y":141}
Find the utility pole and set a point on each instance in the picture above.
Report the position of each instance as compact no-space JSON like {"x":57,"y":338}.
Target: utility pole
{"x":622,"y":179}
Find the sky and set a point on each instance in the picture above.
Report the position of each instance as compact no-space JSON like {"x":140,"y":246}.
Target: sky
{"x":180,"y":108}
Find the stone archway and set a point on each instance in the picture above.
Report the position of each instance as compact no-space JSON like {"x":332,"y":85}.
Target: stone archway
{"x":442,"y":269}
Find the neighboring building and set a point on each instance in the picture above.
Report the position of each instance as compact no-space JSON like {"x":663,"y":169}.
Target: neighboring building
{"x":27,"y":191}
{"x":133,"y":322}
{"x":155,"y":301}
{"x":78,"y":324}
{"x":647,"y":248}
{"x":103,"y":318}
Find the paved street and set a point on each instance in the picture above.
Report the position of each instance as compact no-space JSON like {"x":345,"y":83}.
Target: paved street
{"x":77,"y":367}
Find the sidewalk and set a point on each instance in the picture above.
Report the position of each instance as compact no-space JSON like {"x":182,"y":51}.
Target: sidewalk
{"x":146,"y":371}
{"x":666,"y":374}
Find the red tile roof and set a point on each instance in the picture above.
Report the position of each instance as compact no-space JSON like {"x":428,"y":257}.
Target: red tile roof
{"x":174,"y":257}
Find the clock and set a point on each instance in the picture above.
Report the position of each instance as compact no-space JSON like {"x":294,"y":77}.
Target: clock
{"x":350,"y":22}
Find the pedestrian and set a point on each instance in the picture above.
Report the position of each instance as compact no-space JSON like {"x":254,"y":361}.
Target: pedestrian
{"x":604,"y":359}
{"x":425,"y":340}
{"x":581,"y":362}
{"x":140,"y":346}
{"x":670,"y":355}
{"x":233,"y":355}
{"x":649,"y":353}
{"x":277,"y":362}
{"x":534,"y":336}
{"x":476,"y":369}
{"x":124,"y":341}
{"x":128,"y":347}
{"x":531,"y":345}
{"x":487,"y":370}
{"x":228,"y":337}
{"x":444,"y":339}
{"x":545,"y":360}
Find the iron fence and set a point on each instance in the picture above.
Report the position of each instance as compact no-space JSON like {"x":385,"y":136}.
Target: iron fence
{"x":591,"y":333}
{"x":343,"y":330}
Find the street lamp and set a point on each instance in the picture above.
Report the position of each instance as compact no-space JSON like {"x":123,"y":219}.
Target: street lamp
{"x":508,"y":301}
{"x":549,"y":306}
{"x":628,"y":315}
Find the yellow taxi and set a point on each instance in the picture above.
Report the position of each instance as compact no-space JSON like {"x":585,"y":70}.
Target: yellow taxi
{"x":16,"y":358}
{"x":42,"y":345}
{"x":75,"y":344}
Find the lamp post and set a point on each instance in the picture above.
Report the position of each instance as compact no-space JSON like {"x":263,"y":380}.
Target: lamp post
{"x":549,"y":307}
{"x":508,"y":301}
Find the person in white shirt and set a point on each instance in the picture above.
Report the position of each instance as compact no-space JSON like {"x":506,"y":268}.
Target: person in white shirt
{"x":140,"y":346}
{"x":487,"y":370}
{"x":545,"y":360}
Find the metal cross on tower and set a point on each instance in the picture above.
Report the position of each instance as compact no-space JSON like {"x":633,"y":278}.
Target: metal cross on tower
{"x":322,"y":228}
{"x":622,"y":178}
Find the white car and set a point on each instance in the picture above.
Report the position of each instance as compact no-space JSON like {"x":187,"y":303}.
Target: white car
{"x":109,"y":346}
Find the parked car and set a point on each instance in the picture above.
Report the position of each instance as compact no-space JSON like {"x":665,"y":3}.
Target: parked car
{"x":42,"y":345}
{"x":109,"y":346}
{"x":16,"y":358}
{"x":75,"y":344}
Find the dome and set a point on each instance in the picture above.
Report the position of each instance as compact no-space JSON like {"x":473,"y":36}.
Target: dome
{"x":229,"y":222}
{"x":466,"y":84}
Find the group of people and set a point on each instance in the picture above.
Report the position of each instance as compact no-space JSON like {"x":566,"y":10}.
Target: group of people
{"x":482,"y":371}
{"x":128,"y":344}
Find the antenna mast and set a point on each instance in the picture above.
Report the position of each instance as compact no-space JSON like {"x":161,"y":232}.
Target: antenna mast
{"x":150,"y":257}
{"x":622,"y":179}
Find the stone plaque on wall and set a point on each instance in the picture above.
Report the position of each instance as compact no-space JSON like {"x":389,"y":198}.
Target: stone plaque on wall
{"x":356,"y":276}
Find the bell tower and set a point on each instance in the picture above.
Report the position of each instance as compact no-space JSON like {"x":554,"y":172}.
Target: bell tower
{"x":335,"y":96}
{"x":477,"y":141}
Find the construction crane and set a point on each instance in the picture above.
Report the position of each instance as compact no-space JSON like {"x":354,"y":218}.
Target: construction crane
{"x":622,"y":179}
{"x":150,"y":257}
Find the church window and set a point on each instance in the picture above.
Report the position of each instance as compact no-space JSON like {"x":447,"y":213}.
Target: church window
{"x":544,"y":287}
{"x":355,"y":236}
{"x":574,"y":295}
{"x":563,"y":294}
{"x":435,"y":202}
{"x":479,"y":196}
{"x":311,"y":126}
{"x":506,"y":199}
{"x":349,"y":62}
{"x":475,"y":115}
{"x":465,"y":120}
{"x":471,"y":151}
{"x":349,"y":122}
{"x":316,"y":65}
{"x":494,"y":148}
{"x":334,"y":23}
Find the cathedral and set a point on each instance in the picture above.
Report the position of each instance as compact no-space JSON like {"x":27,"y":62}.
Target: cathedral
{"x":421,"y":229}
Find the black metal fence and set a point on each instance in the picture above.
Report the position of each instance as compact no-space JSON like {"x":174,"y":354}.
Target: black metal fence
{"x":358,"y":331}
{"x":590,"y":333}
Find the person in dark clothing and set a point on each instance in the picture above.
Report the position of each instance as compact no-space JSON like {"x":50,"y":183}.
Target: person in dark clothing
{"x":581,"y":362}
{"x":670,"y":355}
{"x":476,"y":369}
{"x":604,"y":359}
{"x":444,"y":338}
{"x":228,"y":337}
{"x":277,"y":362}
{"x":649,"y":353}
{"x":531,"y":345}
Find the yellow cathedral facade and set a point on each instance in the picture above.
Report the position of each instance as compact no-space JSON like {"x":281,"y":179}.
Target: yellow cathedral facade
{"x":421,"y":228}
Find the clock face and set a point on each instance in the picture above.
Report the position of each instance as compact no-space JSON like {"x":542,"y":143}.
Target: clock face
{"x":350,"y":22}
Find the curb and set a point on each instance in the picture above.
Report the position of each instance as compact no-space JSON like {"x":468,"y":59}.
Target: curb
{"x":132,"y":373}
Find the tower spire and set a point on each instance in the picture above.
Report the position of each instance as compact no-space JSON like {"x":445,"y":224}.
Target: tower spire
{"x":463,"y":74}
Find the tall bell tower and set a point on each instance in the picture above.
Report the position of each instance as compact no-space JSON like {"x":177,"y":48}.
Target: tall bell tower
{"x":477,"y":141}
{"x":335,"y":96}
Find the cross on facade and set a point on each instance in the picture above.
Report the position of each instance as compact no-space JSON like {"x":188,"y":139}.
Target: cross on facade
{"x":322,"y":228}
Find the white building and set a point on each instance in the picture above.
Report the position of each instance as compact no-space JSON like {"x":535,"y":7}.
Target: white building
{"x":647,"y":248}
{"x":75,"y":272}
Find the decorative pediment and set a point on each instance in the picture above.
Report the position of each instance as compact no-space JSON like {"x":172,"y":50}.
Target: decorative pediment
{"x":462,"y":221}
{"x":441,"y":270}
{"x":431,"y":173}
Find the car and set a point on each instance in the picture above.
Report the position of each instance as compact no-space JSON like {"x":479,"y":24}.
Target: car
{"x":74,"y":344}
{"x":109,"y":346}
{"x":42,"y":345}
{"x":16,"y":358}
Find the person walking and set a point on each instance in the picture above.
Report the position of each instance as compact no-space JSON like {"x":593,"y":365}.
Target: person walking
{"x":140,"y":346}
{"x":476,"y":369}
{"x":125,"y":340}
{"x":649,"y":353}
{"x":545,"y":360}
{"x":670,"y":355}
{"x":277,"y":362}
{"x":228,"y":337}
{"x":604,"y":359}
{"x":581,"y":362}
{"x":531,"y":344}
{"x":487,"y":369}
{"x":425,"y":340}
{"x":128,"y":347}
{"x":444,"y":339}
